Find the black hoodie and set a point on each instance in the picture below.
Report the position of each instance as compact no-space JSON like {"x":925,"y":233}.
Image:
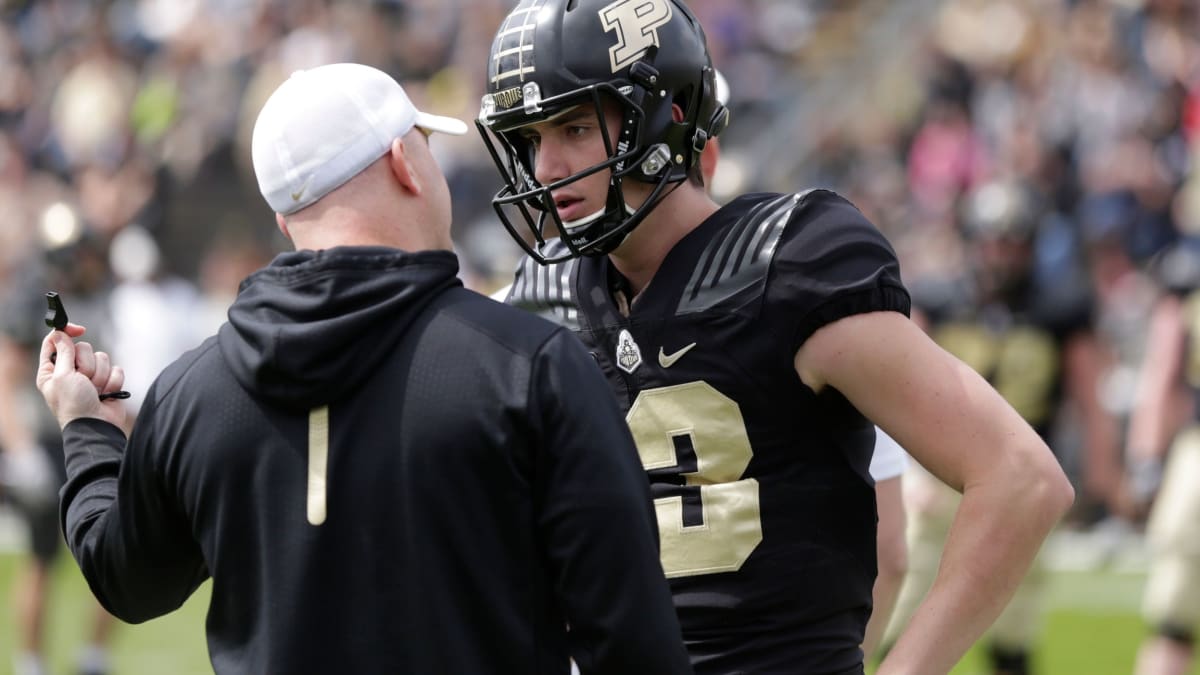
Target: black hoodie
{"x":382,"y":472}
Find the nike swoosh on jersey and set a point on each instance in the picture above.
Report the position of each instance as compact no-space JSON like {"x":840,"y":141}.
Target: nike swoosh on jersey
{"x":667,"y":360}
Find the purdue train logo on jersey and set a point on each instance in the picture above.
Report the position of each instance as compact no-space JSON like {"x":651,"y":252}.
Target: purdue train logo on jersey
{"x":629,"y":356}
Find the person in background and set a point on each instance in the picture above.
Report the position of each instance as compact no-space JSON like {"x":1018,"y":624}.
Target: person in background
{"x":1164,"y":452}
{"x":321,"y":460}
{"x":31,"y":465}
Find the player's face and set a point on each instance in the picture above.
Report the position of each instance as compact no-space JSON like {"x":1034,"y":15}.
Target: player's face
{"x":569,"y":144}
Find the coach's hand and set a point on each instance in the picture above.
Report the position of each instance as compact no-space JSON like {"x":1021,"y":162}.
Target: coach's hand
{"x":73,"y":381}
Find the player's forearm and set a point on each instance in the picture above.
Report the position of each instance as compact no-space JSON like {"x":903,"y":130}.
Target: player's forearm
{"x":892,"y":557}
{"x":1150,"y":424}
{"x":883,"y":601}
{"x":996,"y":534}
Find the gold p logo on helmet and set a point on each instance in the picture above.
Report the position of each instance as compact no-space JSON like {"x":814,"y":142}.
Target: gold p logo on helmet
{"x":636,"y":23}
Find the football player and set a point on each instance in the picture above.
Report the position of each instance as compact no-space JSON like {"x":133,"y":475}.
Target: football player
{"x":1171,"y":602}
{"x":888,"y":462}
{"x":749,"y":344}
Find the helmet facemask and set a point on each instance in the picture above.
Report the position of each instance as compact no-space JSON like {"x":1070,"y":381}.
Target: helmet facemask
{"x":527,"y":208}
{"x":648,"y":63}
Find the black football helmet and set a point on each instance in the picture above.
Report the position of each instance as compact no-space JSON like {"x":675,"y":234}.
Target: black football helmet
{"x":551,"y":56}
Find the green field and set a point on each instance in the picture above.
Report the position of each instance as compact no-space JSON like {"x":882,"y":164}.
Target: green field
{"x":173,"y":644}
{"x":1092,"y":628}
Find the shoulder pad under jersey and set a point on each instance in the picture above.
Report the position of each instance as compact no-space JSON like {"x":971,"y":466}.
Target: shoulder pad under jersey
{"x":739,"y":257}
{"x":547,"y":290}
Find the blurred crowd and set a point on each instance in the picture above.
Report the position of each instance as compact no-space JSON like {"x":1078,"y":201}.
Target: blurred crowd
{"x":125,"y":128}
{"x":1065,"y":127}
{"x":1032,"y":148}
{"x":1047,"y":145}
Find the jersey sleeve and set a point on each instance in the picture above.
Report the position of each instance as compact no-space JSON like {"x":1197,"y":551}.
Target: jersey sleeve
{"x":831,"y":263}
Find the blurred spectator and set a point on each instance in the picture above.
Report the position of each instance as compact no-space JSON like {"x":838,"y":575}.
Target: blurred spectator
{"x":137,"y":112}
{"x":1164,"y":447}
{"x":31,"y":460}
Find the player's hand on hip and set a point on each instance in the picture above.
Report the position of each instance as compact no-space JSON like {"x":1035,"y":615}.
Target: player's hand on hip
{"x":73,"y":381}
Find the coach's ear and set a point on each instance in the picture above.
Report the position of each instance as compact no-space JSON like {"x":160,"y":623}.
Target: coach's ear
{"x":402,"y":168}
{"x":282,"y":224}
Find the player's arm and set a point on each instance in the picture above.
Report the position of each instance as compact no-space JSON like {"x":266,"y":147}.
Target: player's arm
{"x":1083,"y":362}
{"x":1154,"y":420}
{"x":887,"y":467}
{"x":597,"y":520}
{"x":958,"y":427}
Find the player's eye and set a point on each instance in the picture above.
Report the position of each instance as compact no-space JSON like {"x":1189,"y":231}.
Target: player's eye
{"x":533,"y":138}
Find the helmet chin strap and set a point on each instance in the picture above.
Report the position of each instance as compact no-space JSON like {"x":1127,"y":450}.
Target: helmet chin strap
{"x":571,"y":225}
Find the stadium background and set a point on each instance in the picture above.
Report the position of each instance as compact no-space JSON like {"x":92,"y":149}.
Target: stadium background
{"x":124,"y":177}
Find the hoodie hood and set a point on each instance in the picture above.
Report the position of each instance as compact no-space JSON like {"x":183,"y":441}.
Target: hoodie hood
{"x":313,"y":325}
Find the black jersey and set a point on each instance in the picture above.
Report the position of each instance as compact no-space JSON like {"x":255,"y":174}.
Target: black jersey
{"x":765,"y":505}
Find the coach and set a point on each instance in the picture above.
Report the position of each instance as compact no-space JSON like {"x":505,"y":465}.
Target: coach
{"x":380,"y":470}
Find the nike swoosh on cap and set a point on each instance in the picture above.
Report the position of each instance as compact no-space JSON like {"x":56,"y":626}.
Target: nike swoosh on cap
{"x":303,"y":188}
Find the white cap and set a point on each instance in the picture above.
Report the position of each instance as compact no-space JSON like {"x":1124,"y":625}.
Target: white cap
{"x":324,"y":125}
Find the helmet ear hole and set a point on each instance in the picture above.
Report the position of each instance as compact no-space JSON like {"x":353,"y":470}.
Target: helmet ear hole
{"x":718,"y":121}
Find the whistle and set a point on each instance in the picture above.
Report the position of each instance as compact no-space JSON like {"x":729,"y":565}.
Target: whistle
{"x":56,"y":314}
{"x":56,"y":318}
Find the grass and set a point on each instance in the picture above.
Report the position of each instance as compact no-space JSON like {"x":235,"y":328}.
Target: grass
{"x":1092,"y":628}
{"x":172,"y":644}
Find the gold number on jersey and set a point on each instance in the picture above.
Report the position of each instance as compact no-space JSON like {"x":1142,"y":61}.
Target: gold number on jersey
{"x":318,"y":462}
{"x":732,"y":525}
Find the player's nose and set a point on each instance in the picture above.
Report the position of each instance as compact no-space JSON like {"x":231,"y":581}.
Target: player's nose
{"x":549,"y":163}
